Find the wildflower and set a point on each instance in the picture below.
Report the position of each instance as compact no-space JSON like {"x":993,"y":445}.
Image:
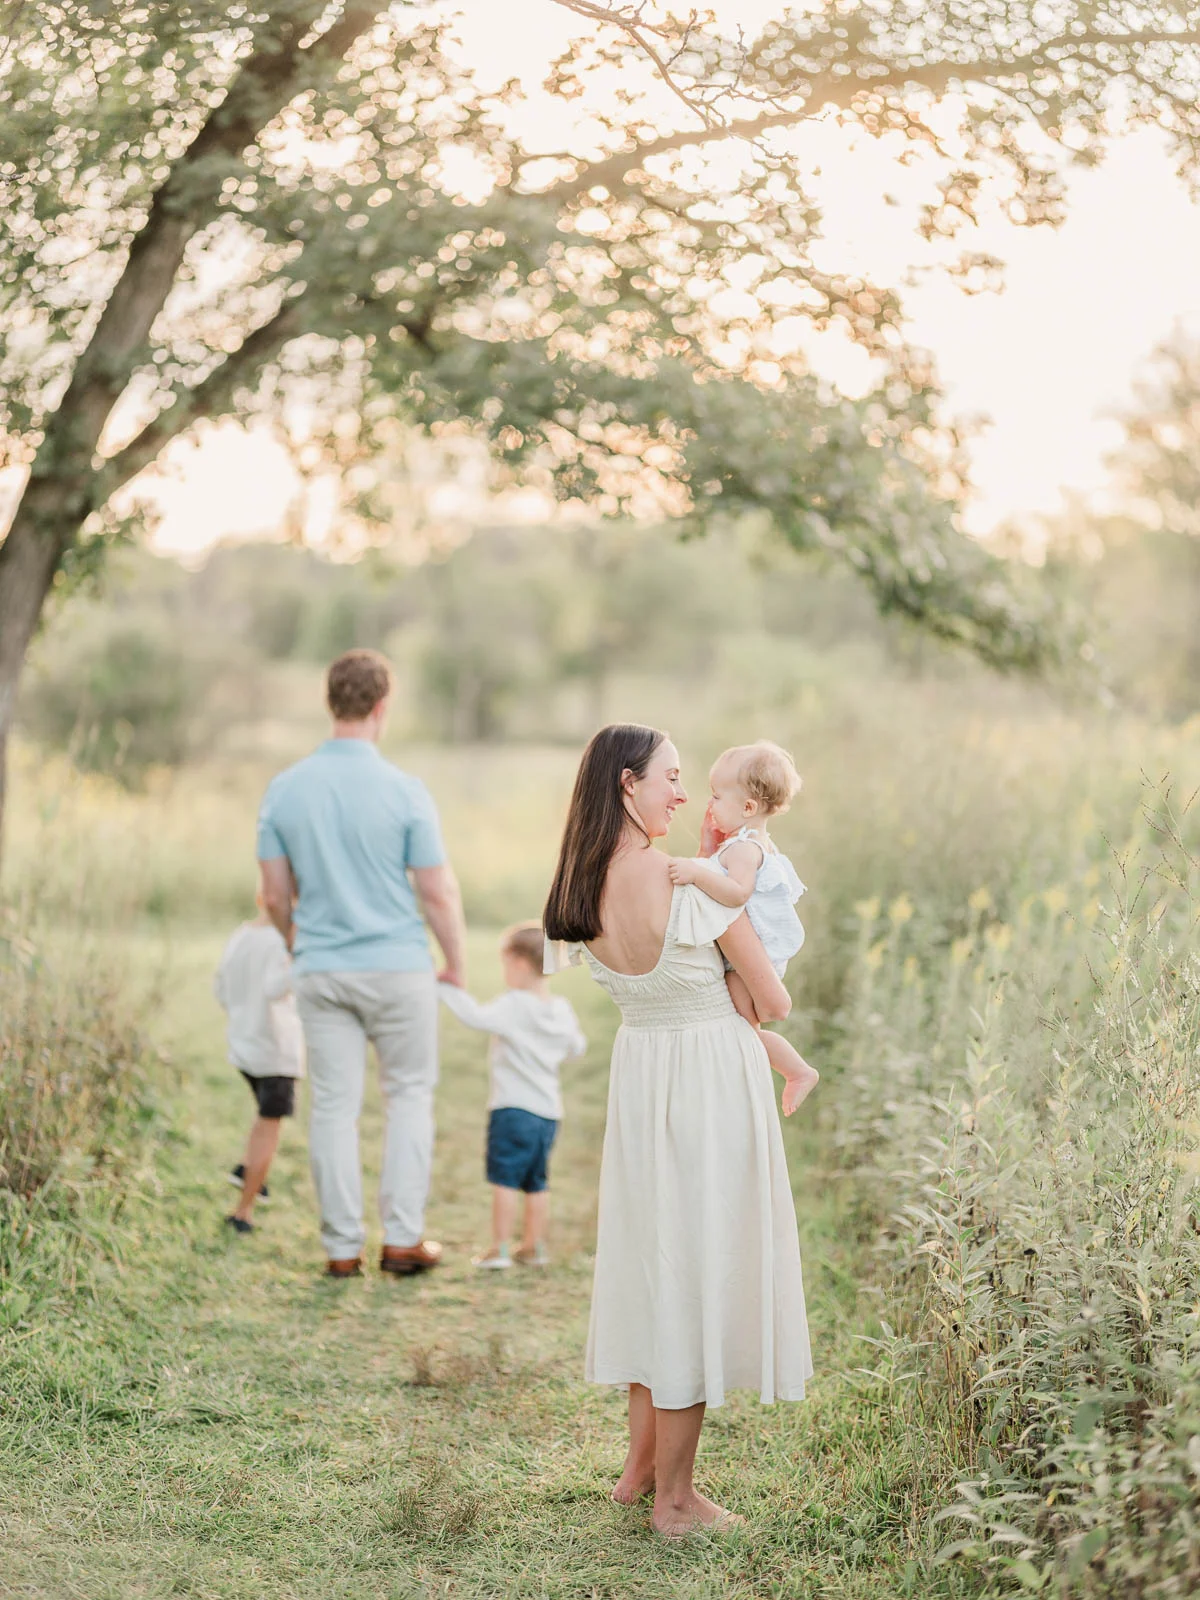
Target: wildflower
{"x":960,"y":950}
{"x":981,"y":900}
{"x":999,"y":936}
{"x":1055,"y":900}
{"x":900,"y":911}
{"x":874,"y":957}
{"x":867,"y":910}
{"x":910,"y":971}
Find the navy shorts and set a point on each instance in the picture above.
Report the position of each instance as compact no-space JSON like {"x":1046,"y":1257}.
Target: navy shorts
{"x":275,"y":1097}
{"x":518,"y":1149}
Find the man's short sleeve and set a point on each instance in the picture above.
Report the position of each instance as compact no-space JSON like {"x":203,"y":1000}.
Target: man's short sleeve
{"x":270,"y":844}
{"x":423,"y":842}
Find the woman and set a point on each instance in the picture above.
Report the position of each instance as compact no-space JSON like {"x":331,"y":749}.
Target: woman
{"x":698,"y":1285}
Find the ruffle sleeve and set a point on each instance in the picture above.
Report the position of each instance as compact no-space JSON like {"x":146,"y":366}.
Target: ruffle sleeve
{"x":560,"y":954}
{"x":699,"y":919}
{"x":777,"y":872}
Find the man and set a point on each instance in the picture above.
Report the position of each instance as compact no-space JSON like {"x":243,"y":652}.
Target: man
{"x":351,"y":854}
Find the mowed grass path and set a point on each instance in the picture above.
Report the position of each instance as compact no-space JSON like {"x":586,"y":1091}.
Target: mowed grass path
{"x":205,"y":1416}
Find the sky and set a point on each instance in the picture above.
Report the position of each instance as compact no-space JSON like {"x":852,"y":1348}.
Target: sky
{"x":1043,"y":367}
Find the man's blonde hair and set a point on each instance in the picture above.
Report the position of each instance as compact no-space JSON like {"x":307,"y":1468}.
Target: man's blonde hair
{"x":525,"y":939}
{"x":767,"y":773}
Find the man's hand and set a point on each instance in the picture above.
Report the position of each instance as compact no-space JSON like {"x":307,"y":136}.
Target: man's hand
{"x":682,"y":869}
{"x":437,"y":890}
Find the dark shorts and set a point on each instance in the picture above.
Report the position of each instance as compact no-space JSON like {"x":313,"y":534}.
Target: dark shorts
{"x":275,"y":1097}
{"x":518,"y":1149}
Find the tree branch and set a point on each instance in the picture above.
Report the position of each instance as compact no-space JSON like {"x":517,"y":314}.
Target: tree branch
{"x":267,"y":81}
{"x":206,"y":399}
{"x":840,"y":91}
{"x":637,"y":31}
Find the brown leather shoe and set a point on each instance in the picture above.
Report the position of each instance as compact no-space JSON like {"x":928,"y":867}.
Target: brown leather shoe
{"x":348,"y":1267}
{"x":404,"y":1260}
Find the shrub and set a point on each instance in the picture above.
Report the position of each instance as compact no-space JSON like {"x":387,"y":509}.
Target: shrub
{"x":76,"y":1096}
{"x":121,"y":692}
{"x":1023,"y":1094}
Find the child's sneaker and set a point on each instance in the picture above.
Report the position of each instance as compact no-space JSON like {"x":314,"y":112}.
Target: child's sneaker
{"x":495,"y":1260}
{"x":238,"y":1177}
{"x":536,"y":1257}
{"x":239,"y":1225}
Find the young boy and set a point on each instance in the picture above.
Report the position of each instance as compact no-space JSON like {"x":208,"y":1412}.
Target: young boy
{"x":254,"y":985}
{"x":533,"y":1033}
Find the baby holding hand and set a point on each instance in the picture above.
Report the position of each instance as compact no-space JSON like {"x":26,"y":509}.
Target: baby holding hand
{"x":740,"y":866}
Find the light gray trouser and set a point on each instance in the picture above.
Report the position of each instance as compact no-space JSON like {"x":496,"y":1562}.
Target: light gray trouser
{"x":397,"y":1012}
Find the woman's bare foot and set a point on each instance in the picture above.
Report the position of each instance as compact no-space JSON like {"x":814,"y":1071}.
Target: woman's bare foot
{"x":796,"y":1090}
{"x":635,"y":1483}
{"x":694,"y":1513}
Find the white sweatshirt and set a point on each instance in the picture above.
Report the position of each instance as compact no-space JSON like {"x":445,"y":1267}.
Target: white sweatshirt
{"x":254,"y":984}
{"x":532,"y":1035}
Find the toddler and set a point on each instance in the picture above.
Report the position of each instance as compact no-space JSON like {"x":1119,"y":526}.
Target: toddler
{"x":751,"y":784}
{"x":266,"y":1045}
{"x":533,"y":1033}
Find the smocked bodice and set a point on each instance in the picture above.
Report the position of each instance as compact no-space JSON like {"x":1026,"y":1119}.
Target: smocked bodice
{"x":686,"y":988}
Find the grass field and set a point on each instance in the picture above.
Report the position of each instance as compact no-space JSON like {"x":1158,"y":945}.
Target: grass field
{"x":995,"y":1184}
{"x":205,"y":1416}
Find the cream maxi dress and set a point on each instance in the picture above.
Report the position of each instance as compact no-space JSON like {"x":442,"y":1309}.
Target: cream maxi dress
{"x":698,"y":1285}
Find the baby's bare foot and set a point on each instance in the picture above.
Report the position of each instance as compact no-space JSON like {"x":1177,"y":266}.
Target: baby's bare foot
{"x":796,"y":1090}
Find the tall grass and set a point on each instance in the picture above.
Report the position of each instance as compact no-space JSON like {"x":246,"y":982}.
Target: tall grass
{"x":1022,"y":1097}
{"x":80,"y":1085}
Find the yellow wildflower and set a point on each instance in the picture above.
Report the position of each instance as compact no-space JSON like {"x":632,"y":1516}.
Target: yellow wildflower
{"x":901,"y":909}
{"x":999,"y":936}
{"x":960,"y":950}
{"x":867,"y":910}
{"x":981,"y":900}
{"x":874,"y":956}
{"x":1055,"y":900}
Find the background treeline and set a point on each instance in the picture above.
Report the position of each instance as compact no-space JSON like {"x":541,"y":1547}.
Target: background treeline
{"x":532,"y":634}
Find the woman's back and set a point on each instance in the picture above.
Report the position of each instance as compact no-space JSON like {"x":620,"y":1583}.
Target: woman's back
{"x":634,"y":912}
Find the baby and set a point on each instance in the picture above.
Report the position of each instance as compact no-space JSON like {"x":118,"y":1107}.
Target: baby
{"x":751,"y":784}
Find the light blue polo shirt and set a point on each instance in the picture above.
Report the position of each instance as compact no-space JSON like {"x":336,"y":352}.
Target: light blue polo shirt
{"x":351,"y":825}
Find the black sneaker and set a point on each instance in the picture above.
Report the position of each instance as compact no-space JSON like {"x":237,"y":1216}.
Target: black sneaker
{"x":239,"y":1225}
{"x":238,"y":1177}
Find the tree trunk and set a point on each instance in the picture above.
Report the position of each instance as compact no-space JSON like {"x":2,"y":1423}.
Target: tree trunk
{"x":45,"y":523}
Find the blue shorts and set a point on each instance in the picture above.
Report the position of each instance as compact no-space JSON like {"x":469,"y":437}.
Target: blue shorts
{"x":518,"y":1149}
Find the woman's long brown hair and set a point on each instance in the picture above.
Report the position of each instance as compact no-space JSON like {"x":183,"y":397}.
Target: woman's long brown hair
{"x":595,"y":822}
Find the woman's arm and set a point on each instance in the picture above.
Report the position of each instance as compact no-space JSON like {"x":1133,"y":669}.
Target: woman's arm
{"x":743,"y":948}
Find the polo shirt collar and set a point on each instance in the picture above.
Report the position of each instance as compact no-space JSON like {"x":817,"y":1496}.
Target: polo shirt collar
{"x":350,"y":747}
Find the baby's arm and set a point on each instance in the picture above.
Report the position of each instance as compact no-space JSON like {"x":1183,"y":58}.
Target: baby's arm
{"x":731,"y":888}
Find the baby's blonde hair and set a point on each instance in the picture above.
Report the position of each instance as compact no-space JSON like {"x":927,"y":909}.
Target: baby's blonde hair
{"x":525,"y":939}
{"x":767,"y":773}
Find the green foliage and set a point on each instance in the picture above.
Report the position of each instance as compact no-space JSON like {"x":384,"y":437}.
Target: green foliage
{"x":121,"y":692}
{"x":75,"y":1069}
{"x":617,"y":319}
{"x":1022,"y":1085}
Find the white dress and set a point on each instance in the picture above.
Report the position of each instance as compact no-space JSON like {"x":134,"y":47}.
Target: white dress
{"x":698,"y":1285}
